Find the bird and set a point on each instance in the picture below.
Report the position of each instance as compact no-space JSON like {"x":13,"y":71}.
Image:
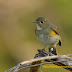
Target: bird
{"x":47,"y":34}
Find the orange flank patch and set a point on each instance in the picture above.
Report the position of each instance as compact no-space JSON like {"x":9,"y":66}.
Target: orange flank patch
{"x":53,"y":32}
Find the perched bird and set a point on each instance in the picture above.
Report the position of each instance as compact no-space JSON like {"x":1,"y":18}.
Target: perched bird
{"x":47,"y":34}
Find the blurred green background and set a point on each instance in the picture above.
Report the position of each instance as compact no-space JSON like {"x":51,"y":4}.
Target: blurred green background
{"x":17,"y":31}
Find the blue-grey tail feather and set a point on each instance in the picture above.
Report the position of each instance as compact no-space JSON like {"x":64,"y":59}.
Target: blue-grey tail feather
{"x":59,"y":43}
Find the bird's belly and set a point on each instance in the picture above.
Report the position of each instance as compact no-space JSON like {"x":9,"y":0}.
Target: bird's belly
{"x":48,"y":40}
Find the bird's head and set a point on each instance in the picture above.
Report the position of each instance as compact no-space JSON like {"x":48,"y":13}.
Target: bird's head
{"x":41,"y":22}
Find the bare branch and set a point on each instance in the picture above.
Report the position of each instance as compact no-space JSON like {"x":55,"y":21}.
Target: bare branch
{"x":43,"y":57}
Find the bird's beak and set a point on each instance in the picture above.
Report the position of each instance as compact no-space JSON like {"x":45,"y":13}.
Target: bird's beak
{"x":35,"y":22}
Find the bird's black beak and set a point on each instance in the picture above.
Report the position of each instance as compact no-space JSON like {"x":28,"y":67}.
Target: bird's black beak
{"x":35,"y":22}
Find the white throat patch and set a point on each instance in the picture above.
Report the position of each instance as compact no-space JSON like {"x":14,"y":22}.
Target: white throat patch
{"x":38,"y":27}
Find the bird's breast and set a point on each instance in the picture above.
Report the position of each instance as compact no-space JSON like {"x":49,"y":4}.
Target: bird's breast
{"x":48,"y":37}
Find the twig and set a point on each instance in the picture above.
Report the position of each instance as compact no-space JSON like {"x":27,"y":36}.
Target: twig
{"x":39,"y":60}
{"x":65,"y":63}
{"x":44,"y":58}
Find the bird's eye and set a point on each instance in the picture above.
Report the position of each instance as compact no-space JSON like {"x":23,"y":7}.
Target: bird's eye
{"x":42,"y":22}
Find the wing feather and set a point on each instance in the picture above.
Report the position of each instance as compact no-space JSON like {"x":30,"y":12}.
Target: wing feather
{"x":54,"y":28}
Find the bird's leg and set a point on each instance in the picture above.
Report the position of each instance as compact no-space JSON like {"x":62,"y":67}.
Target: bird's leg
{"x":44,"y":47}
